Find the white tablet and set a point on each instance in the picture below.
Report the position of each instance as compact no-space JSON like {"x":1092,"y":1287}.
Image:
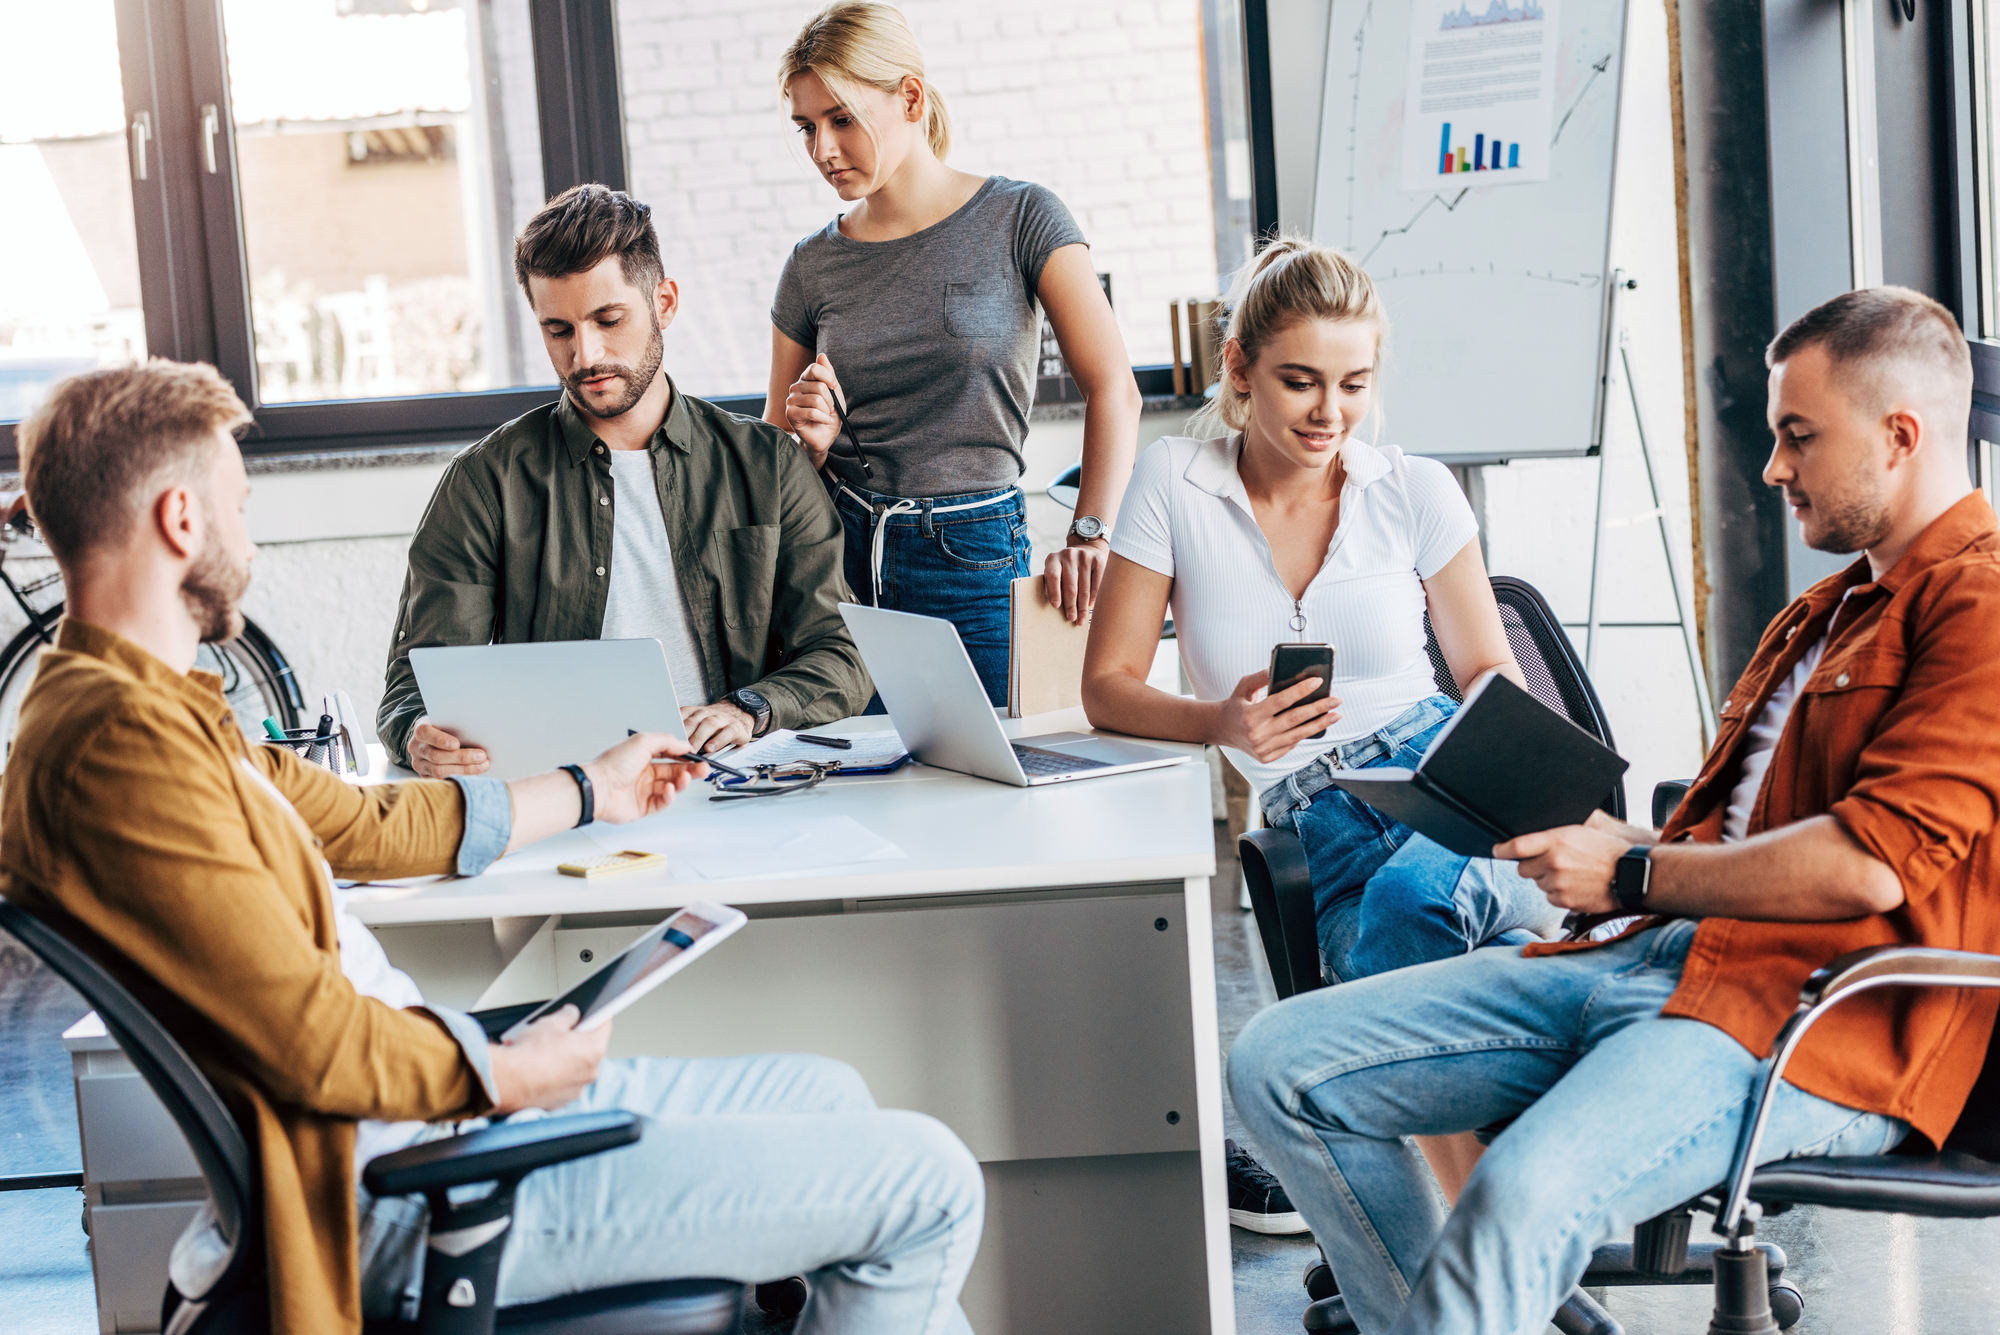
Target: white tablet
{"x":656,"y":956}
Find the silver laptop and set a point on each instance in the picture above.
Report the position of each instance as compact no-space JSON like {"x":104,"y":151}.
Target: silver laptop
{"x":941,"y":711}
{"x":533,"y":707}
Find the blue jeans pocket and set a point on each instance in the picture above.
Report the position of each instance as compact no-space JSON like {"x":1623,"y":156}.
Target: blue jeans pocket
{"x":979,"y":544}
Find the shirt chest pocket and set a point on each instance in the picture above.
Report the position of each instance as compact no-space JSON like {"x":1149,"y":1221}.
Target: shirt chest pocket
{"x":981,"y":310}
{"x":744,"y":564}
{"x":1855,"y":689}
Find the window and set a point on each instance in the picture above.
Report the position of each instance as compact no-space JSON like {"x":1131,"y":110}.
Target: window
{"x":1106,"y":106}
{"x":69,"y":288}
{"x":386,"y":153}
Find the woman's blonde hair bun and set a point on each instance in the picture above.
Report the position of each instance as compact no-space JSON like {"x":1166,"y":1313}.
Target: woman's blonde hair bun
{"x":1292,"y":279}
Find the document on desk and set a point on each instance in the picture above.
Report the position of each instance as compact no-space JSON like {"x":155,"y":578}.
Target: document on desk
{"x":772,"y":848}
{"x":871,"y":750}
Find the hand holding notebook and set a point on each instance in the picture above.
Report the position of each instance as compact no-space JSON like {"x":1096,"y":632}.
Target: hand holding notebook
{"x":1506,"y":765}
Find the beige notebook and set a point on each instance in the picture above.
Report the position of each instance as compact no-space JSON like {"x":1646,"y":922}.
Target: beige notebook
{"x":1044,"y":652}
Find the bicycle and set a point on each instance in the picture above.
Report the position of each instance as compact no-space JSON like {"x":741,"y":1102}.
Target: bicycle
{"x":256,"y":678}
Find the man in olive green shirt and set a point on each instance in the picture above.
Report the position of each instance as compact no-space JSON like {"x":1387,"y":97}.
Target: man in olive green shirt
{"x":627,"y":509}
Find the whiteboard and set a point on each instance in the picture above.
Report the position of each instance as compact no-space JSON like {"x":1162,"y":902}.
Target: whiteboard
{"x":1488,"y":243}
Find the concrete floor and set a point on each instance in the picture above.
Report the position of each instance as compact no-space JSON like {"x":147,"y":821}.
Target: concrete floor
{"x":1860,"y":1274}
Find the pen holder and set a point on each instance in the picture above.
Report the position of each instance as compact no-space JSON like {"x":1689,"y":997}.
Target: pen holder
{"x":325,"y":749}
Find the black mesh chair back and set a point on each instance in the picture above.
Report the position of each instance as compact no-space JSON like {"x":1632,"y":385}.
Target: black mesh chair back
{"x":212,"y":1134}
{"x":1548,"y":660}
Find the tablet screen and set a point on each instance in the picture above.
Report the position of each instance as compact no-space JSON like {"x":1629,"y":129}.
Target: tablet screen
{"x":598,"y":995}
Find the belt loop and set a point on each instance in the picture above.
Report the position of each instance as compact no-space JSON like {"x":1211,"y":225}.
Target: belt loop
{"x":929,"y":530}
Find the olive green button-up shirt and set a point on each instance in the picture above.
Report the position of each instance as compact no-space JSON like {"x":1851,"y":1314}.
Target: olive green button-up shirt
{"x":516,"y":546}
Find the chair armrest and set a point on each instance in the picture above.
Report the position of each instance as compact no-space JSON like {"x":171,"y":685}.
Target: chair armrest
{"x":510,"y":1150}
{"x":1915,"y":966}
{"x":1667,"y":795}
{"x":1852,"y":974}
{"x":1281,"y":897}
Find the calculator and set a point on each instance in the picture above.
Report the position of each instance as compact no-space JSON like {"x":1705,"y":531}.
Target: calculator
{"x":610,"y":864}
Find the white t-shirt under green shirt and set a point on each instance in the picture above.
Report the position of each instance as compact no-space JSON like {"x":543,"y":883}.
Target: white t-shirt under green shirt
{"x":644,"y":600}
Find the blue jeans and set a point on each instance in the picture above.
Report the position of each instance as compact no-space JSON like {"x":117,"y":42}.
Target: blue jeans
{"x":1621,"y":1114}
{"x":751,"y":1169}
{"x":1384,"y":896}
{"x":940,"y":556}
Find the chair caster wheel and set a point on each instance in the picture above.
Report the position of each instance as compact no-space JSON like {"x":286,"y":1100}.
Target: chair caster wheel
{"x":783,"y":1297}
{"x":1329,"y":1316}
{"x":1320,"y":1284}
{"x":1787,"y":1306}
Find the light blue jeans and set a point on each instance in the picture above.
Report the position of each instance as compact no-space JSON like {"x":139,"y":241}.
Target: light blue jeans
{"x":751,"y":1169}
{"x":1384,"y":896}
{"x":1621,"y":1113}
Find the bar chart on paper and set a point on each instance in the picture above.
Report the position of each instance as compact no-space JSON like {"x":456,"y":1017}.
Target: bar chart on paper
{"x":1486,"y":156}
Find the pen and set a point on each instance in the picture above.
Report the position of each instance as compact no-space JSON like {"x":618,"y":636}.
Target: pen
{"x":837,"y":743}
{"x":692,"y":757}
{"x":271,"y":727}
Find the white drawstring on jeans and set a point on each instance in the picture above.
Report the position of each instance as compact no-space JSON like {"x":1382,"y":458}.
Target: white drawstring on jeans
{"x":903,"y":506}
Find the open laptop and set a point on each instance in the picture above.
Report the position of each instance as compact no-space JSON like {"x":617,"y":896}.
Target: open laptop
{"x":533,"y":707}
{"x":940,"y":710}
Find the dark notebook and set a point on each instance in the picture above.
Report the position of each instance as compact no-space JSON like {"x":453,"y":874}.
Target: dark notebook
{"x":1505,"y":765}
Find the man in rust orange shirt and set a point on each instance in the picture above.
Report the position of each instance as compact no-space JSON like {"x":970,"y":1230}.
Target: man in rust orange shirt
{"x":1848,"y":802}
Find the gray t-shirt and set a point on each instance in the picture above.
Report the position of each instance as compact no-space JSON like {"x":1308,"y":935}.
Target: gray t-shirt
{"x":934,"y":336}
{"x":643,"y":599}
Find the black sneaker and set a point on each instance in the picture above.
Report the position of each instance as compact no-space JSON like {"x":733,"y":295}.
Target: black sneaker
{"x":1256,"y":1201}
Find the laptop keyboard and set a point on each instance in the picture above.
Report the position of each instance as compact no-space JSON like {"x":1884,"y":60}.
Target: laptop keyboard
{"x":1037,"y":761}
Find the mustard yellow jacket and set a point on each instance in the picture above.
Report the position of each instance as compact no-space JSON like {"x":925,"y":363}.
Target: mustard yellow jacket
{"x":134,"y":815}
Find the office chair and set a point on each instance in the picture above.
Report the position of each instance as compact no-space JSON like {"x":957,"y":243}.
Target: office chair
{"x":463,"y":1259}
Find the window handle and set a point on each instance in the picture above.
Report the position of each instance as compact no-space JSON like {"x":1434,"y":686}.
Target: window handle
{"x":210,"y":123}
{"x":142,"y":134}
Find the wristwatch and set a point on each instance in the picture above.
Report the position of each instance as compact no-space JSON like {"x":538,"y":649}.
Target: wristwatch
{"x":1088,"y":527}
{"x":1633,"y":877}
{"x":756,"y":706}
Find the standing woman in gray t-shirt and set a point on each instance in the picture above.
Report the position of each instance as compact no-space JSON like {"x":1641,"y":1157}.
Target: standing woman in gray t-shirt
{"x":921,"y":308}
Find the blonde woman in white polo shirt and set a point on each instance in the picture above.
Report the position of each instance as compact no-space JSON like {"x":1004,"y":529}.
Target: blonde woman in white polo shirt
{"x":1284,"y":526}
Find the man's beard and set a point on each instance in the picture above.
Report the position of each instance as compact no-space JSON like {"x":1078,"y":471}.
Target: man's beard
{"x":637,"y":379}
{"x":213,"y":590}
{"x":1852,"y":523}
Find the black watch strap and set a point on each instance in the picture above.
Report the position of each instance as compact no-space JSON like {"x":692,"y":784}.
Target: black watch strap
{"x":1632,"y":878}
{"x":589,"y":797}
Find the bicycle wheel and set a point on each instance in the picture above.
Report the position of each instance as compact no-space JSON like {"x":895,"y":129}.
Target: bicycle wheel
{"x":256,"y":680}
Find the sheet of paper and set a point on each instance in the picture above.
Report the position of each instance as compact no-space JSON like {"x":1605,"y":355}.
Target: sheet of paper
{"x":720,"y":853}
{"x":783,"y":747}
{"x":1479,"y":101}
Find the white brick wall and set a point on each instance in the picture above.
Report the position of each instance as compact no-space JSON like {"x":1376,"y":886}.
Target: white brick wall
{"x":1100,"y":102}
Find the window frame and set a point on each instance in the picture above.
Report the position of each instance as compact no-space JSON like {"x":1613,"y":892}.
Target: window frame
{"x":188,"y":220}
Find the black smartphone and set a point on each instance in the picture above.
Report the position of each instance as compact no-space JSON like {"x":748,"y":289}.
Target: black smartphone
{"x":1293,"y":663}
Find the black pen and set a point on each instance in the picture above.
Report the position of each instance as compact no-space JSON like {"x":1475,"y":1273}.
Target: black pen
{"x":837,"y":743}
{"x":691,"y":758}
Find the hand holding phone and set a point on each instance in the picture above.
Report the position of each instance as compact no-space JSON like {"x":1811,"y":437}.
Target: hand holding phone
{"x":1293,"y":663}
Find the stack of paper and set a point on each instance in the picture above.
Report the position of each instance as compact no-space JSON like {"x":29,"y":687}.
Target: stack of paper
{"x":871,"y":750}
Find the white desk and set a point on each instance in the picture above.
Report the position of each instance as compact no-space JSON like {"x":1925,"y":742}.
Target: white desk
{"x":1037,"y":972}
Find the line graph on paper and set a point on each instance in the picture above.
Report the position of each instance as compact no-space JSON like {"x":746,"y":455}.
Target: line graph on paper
{"x":1466,"y":156}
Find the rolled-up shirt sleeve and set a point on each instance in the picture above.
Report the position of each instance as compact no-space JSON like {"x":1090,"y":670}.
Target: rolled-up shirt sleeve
{"x":489,"y":823}
{"x":1923,"y":792}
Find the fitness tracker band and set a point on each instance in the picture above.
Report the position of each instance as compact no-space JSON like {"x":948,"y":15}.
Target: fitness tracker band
{"x":589,"y":798}
{"x":1632,"y":878}
{"x":756,"y":706}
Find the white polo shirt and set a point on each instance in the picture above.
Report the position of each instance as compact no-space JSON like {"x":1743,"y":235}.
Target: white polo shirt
{"x":1185,"y":515}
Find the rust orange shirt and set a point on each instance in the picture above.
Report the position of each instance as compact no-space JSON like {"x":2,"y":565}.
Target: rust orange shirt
{"x":1897,"y":736}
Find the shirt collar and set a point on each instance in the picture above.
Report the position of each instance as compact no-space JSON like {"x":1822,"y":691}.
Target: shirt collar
{"x":579,"y":439}
{"x":1949,"y":535}
{"x":1213,"y":468}
{"x":200,"y":690}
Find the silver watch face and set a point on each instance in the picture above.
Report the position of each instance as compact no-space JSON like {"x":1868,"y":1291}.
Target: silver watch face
{"x":1088,"y":527}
